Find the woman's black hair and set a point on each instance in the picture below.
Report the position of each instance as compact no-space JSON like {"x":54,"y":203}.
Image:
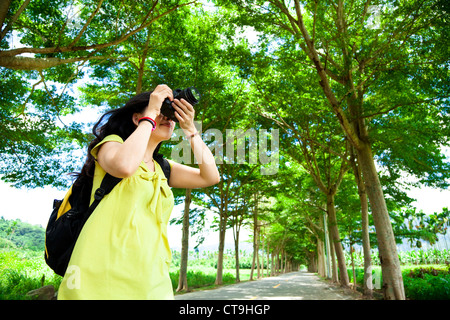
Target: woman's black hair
{"x":119,"y":122}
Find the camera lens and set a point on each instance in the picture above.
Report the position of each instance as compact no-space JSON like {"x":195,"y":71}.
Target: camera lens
{"x":190,"y":94}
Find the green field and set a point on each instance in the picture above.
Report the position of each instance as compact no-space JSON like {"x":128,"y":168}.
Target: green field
{"x":24,"y":270}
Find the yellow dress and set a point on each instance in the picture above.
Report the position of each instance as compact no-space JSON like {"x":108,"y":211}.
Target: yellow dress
{"x":123,"y":250}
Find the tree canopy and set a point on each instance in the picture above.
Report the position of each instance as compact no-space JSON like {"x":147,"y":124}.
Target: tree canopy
{"x":358,"y":94}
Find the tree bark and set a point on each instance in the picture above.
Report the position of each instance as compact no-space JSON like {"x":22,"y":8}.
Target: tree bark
{"x":182,"y":280}
{"x":255,"y":245}
{"x":262,"y":252}
{"x":353,"y":266}
{"x":366,"y":244}
{"x":267,"y":254}
{"x":334,"y":231}
{"x":255,"y":236}
{"x":326,"y":240}
{"x":279,"y":262}
{"x":364,"y":223}
{"x":334,"y":272}
{"x":4,"y":7}
{"x":390,"y":265}
{"x":272,"y":264}
{"x":258,"y":266}
{"x":236,"y":250}
{"x":321,"y":258}
{"x":312,"y":262}
{"x":321,"y":262}
{"x":222,"y":229}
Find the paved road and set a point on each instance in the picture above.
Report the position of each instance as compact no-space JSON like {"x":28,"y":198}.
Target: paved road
{"x":290,"y":286}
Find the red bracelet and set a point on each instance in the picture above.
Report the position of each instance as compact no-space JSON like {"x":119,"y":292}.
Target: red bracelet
{"x":153,"y":122}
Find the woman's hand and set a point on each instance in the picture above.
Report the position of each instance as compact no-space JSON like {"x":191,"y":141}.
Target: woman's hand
{"x":185,"y":114}
{"x":183,"y":176}
{"x":157,"y":98}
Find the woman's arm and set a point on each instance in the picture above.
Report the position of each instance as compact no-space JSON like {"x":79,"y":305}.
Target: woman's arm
{"x":123,"y":159}
{"x":183,"y":176}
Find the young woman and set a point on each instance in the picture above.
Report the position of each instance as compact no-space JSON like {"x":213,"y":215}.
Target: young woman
{"x":122,"y":251}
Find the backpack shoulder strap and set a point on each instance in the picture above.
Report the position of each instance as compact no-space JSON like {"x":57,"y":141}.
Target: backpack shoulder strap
{"x":108,"y":183}
{"x":165,"y":165}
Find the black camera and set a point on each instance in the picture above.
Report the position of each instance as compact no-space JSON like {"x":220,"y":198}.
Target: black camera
{"x":190,"y":94}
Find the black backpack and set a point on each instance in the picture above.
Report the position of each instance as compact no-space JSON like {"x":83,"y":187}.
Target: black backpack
{"x":63,"y":228}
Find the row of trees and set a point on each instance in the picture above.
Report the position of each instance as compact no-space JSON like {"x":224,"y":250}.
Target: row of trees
{"x":19,"y":234}
{"x":358,"y":91}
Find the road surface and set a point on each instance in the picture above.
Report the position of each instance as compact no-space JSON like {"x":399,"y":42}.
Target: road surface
{"x":289,"y":286}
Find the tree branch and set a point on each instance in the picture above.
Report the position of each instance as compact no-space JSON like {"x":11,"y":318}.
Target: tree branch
{"x":88,"y":21}
{"x":13,"y":19}
{"x":27,"y":63}
{"x":4,"y":7}
{"x":324,"y":83}
{"x":49,"y":62}
{"x":404,"y":104}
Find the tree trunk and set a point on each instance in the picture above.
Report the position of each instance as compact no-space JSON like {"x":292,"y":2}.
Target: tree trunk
{"x":364,"y":225}
{"x":258,"y":265}
{"x":327,"y":246}
{"x":279,"y":263}
{"x":312,"y":262}
{"x":334,"y":231}
{"x":321,"y":258}
{"x":390,"y":265}
{"x":222,"y":229}
{"x":366,"y":244}
{"x":236,"y":250}
{"x":255,"y":236}
{"x":272,"y":264}
{"x":253,"y":261}
{"x":267,"y":253}
{"x":4,"y":8}
{"x":321,"y":266}
{"x":334,"y":273}
{"x":262,"y":253}
{"x":353,"y":266}
{"x":182,"y":280}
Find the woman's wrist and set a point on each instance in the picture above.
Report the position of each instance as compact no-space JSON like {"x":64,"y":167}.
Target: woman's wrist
{"x":152,"y":113}
{"x":190,"y":136}
{"x":190,"y":132}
